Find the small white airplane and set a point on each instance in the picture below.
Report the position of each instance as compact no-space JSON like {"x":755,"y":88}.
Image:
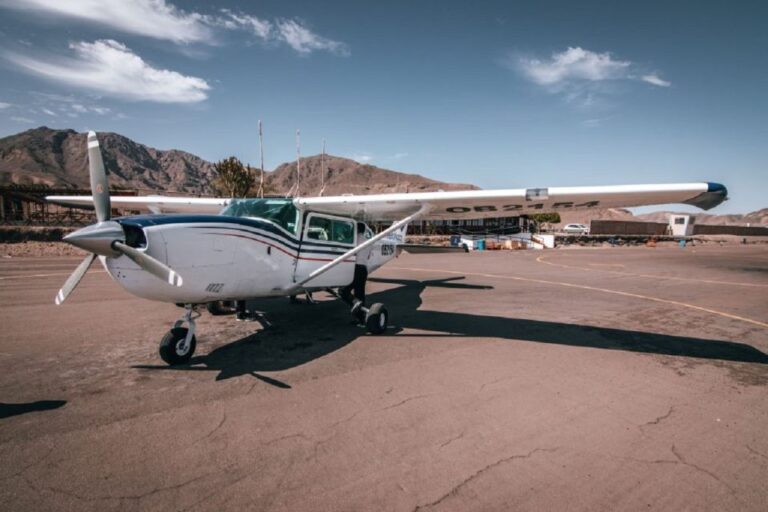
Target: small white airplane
{"x":234,"y":250}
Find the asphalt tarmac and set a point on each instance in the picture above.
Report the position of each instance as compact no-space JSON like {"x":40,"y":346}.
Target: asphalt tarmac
{"x":583,"y":379}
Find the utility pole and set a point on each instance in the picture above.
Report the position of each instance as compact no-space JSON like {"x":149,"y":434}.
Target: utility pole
{"x":322,"y":170}
{"x":261,"y":151}
{"x":298,"y":163}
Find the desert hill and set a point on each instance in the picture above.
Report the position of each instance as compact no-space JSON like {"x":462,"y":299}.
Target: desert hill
{"x":57,"y":158}
{"x":345,"y":176}
{"x":759,"y":217}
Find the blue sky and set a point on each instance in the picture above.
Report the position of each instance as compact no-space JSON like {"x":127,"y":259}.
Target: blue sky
{"x":495,"y":94}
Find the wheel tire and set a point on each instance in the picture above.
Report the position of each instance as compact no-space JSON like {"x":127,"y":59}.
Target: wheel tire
{"x":169,"y":346}
{"x":219,"y":308}
{"x":377,"y":318}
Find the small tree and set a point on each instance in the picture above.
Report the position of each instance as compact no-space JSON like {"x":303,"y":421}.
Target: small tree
{"x":234,"y":179}
{"x":545,"y":218}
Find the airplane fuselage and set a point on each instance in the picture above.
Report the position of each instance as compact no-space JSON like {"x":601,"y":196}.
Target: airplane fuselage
{"x":232,"y":258}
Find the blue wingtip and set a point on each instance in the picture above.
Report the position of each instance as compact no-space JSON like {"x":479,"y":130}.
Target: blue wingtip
{"x":715,"y":194}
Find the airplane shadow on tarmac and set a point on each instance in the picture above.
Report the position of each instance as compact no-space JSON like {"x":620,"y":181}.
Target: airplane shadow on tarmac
{"x":8,"y":410}
{"x":306,"y":333}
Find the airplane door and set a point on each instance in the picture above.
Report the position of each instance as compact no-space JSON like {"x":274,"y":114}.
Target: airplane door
{"x":325,"y":238}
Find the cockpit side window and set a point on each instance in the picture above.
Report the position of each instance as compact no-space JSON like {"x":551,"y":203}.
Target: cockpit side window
{"x":279,"y":211}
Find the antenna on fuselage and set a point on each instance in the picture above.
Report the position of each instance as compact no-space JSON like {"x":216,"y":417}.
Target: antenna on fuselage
{"x":261,"y":152}
{"x":322,"y":170}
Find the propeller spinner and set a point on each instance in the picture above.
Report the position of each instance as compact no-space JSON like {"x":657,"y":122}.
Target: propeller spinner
{"x":107,"y":237}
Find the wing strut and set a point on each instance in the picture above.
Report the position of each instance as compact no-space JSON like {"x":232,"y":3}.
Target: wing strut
{"x":328,"y":266}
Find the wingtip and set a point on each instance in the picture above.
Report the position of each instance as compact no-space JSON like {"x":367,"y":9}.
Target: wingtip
{"x":716,"y":193}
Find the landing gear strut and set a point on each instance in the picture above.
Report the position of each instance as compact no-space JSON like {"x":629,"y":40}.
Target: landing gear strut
{"x":178,"y":344}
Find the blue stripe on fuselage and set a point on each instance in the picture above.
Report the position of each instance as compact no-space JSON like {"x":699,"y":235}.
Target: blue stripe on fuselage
{"x":286,"y":239}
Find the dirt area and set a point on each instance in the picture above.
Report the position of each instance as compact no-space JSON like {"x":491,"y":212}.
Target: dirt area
{"x":589,"y":379}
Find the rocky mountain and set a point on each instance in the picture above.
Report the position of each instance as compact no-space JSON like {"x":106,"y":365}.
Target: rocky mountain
{"x":345,"y":176}
{"x":57,"y":158}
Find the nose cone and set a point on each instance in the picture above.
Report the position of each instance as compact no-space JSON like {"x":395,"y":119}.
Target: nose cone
{"x":97,"y":238}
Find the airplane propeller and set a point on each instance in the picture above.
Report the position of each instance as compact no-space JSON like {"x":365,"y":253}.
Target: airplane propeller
{"x":107,"y":237}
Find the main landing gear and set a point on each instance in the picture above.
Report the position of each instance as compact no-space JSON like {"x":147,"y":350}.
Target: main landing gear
{"x":178,"y":344}
{"x":374,"y":318}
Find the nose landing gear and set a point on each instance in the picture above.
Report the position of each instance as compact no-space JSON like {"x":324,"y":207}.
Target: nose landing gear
{"x":178,"y":344}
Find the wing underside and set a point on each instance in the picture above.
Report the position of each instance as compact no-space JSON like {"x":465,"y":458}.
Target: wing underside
{"x":154,"y":204}
{"x":475,"y":204}
{"x":470,"y":204}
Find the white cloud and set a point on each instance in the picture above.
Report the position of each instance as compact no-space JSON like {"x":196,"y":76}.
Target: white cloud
{"x":4,"y":105}
{"x":22,"y":119}
{"x":304,"y":41}
{"x":150,"y":18}
{"x":49,"y":112}
{"x":574,"y":64}
{"x":399,"y":156}
{"x":585,"y":79}
{"x":592,"y":123}
{"x":160,"y":19}
{"x":362,"y":158}
{"x":655,"y":79}
{"x":111,"y":68}
{"x":234,"y":21}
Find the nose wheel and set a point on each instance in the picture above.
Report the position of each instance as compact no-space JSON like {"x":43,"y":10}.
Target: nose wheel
{"x":178,"y":344}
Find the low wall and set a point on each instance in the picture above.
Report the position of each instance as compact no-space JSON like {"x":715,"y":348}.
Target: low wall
{"x":623,"y":227}
{"x":704,"y":229}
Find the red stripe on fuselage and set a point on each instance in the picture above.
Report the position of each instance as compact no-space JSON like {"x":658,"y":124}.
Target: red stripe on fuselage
{"x":278,"y":248}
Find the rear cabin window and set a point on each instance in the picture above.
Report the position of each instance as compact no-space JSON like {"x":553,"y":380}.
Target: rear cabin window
{"x":331,"y":230}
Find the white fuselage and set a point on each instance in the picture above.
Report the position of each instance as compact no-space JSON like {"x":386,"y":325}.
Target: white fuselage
{"x":236,"y":258}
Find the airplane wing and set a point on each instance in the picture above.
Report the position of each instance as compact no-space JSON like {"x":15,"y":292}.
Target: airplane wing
{"x":154,"y":204}
{"x":475,"y":204}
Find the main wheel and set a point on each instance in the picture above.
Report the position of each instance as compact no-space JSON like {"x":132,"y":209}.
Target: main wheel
{"x":171,"y":349}
{"x":376,"y":319}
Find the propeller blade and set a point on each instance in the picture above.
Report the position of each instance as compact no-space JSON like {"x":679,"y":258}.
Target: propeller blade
{"x":99,"y":185}
{"x":74,"y":279}
{"x":149,"y":264}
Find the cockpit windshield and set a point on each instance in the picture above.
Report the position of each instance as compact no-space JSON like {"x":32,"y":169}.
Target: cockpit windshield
{"x":280,"y":211}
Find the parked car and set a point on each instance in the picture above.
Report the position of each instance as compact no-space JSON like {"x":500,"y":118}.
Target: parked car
{"x":576,"y":229}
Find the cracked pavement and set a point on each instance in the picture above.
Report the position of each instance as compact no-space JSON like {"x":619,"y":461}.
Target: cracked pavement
{"x":486,"y":393}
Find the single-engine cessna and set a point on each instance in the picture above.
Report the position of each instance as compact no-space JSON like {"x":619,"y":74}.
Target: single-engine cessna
{"x":212,"y":250}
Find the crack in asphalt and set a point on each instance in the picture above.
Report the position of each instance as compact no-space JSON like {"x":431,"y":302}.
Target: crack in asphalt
{"x":26,"y":468}
{"x":482,"y":387}
{"x":658,"y":420}
{"x":217,"y":492}
{"x":707,"y":472}
{"x":455,"y":438}
{"x":217,"y":427}
{"x":756,"y":452}
{"x":398,"y":404}
{"x":455,"y":490}
{"x":135,"y":497}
